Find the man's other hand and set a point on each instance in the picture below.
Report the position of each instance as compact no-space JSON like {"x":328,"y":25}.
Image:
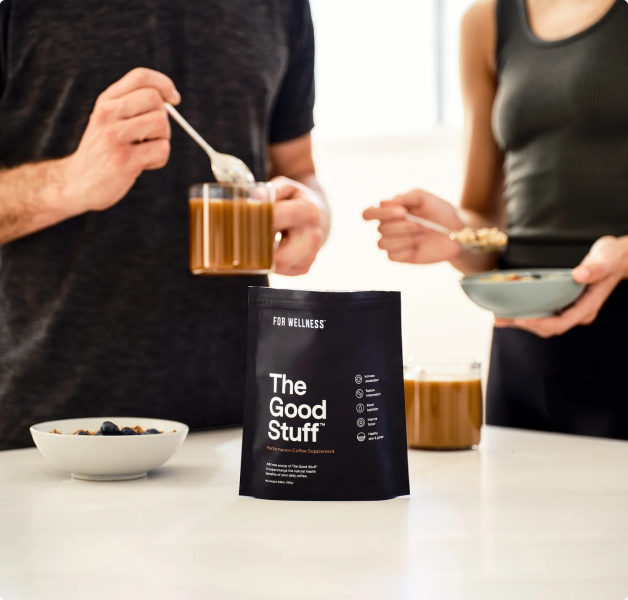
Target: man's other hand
{"x":300,"y":216}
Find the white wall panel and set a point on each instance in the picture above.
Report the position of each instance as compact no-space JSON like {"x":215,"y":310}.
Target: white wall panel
{"x":375,"y":67}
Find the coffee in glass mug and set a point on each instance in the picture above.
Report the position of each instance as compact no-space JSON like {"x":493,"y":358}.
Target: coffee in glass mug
{"x":231,"y":228}
{"x":443,"y":405}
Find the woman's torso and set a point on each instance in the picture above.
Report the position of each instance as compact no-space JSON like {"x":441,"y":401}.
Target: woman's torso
{"x":561,"y":119}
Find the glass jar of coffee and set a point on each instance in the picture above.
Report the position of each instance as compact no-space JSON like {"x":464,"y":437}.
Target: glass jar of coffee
{"x":231,"y":228}
{"x":443,"y":405}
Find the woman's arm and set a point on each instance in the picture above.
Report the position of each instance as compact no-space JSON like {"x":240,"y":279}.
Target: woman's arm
{"x":602,"y":269}
{"x":481,"y":202}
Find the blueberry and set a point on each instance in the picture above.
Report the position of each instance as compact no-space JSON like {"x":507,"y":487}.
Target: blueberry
{"x":82,"y":432}
{"x":128,"y":431}
{"x":152,"y":431}
{"x":99,"y":432}
{"x":109,"y":428}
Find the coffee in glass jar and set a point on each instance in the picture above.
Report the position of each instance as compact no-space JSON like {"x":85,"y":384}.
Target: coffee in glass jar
{"x":443,"y":405}
{"x":231,"y":228}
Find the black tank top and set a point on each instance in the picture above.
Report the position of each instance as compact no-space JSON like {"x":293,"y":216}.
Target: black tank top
{"x":561,"y":118}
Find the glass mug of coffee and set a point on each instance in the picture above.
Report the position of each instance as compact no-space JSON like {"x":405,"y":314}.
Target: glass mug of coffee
{"x":231,"y":228}
{"x":443,"y":405}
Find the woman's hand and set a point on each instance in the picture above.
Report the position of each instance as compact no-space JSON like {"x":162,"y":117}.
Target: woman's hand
{"x":602,"y":269}
{"x":411,"y":243}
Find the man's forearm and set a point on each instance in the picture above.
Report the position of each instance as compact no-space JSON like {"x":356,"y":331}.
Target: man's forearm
{"x":32,"y":197}
{"x":127,"y":133}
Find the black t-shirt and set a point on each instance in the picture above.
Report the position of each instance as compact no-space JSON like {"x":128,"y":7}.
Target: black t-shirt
{"x":99,"y":315}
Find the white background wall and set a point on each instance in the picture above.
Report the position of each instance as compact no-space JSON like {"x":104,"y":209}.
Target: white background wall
{"x":376,"y":136}
{"x":453,"y":10}
{"x":376,"y":66}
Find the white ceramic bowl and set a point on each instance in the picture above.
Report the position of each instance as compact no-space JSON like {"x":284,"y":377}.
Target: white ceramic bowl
{"x":108,"y":458}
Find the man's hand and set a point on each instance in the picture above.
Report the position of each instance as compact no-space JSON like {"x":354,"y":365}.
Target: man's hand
{"x":301,"y":217}
{"x":128,"y":133}
{"x":602,"y":269}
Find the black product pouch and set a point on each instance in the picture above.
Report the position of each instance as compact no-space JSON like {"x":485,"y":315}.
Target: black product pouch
{"x":324,"y":415}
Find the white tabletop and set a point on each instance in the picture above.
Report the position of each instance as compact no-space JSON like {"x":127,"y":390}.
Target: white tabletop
{"x":528,"y":516}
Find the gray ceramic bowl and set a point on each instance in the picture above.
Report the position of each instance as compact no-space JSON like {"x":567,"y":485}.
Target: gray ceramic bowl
{"x":554,"y":290}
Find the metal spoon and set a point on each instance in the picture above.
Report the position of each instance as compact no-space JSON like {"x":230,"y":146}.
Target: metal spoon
{"x":455,"y":235}
{"x":226,"y":168}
